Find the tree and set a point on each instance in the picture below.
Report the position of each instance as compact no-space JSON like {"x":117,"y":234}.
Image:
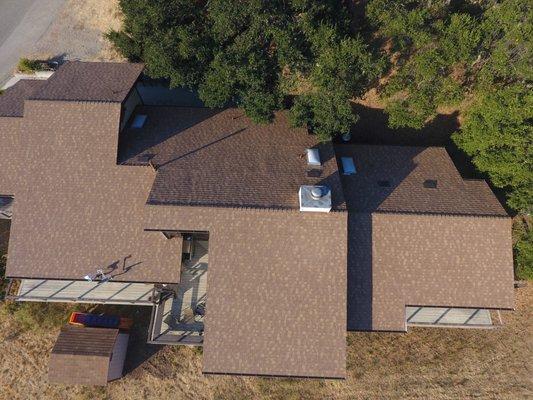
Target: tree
{"x":250,"y":54}
{"x":498,"y":135}
{"x":325,"y":114}
{"x":433,"y":51}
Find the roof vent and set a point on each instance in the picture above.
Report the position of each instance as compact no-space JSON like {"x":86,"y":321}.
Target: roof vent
{"x":315,"y":198}
{"x":314,"y":173}
{"x":313,"y":157}
{"x":6,"y":207}
{"x":348,"y":166}
{"x":138,"y":121}
{"x":430,"y":183}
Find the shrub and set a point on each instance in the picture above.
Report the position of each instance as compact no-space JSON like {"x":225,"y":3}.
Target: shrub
{"x":523,"y":249}
{"x":28,"y":66}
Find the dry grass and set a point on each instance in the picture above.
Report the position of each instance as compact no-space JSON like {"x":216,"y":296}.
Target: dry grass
{"x":423,"y":364}
{"x":77,"y":32}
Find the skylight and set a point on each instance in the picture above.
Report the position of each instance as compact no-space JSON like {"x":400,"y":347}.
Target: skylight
{"x":348,"y":166}
{"x":313,"y":157}
{"x":138,"y":121}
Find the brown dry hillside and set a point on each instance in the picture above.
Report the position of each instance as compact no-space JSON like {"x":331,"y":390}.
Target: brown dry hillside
{"x":422,"y":364}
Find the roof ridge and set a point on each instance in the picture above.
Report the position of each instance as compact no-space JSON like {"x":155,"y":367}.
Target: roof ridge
{"x":444,"y":214}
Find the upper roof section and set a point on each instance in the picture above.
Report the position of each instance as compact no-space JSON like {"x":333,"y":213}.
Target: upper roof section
{"x":421,"y":180}
{"x":90,"y":81}
{"x":12,"y":101}
{"x":86,"y":341}
{"x":220,"y":158}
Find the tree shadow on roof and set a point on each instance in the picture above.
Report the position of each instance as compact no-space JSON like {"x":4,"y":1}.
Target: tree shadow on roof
{"x":134,"y":143}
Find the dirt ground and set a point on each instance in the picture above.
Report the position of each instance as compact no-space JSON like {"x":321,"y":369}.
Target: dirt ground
{"x":77,"y":32}
{"x":422,"y":364}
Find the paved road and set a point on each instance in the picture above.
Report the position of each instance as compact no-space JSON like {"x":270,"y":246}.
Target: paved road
{"x":22,"y":23}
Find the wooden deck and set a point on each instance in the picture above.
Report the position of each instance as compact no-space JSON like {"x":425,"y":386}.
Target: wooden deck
{"x":85,"y":292}
{"x":174,"y":319}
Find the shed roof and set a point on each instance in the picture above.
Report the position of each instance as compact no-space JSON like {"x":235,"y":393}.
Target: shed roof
{"x":81,"y":355}
{"x":90,"y":81}
{"x":86,"y":341}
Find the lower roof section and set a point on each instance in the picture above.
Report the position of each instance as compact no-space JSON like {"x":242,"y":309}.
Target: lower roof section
{"x":276,"y":289}
{"x":395,"y":260}
{"x":128,"y":293}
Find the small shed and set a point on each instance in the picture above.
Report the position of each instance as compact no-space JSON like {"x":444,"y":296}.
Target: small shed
{"x":87,"y":356}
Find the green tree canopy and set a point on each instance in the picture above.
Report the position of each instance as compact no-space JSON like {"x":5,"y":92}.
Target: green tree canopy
{"x":251,"y":53}
{"x":498,"y":135}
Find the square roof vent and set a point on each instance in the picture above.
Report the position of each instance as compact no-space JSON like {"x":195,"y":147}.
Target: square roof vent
{"x":315,"y":198}
{"x":138,"y":121}
{"x":348,"y":166}
{"x":313,"y":157}
{"x":430,"y":183}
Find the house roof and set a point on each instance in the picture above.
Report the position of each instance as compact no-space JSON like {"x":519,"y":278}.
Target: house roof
{"x":277,"y":277}
{"x":395,"y":260}
{"x":81,"y":355}
{"x":90,"y":81}
{"x":220,"y":158}
{"x":75,"y":210}
{"x":276,"y":289}
{"x":414,"y":245}
{"x":405,"y":169}
{"x":12,"y":100}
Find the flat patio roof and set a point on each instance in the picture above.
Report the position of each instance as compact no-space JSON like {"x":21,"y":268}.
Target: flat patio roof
{"x":128,"y":293}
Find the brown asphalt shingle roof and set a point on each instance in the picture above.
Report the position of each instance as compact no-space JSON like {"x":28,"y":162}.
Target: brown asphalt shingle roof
{"x":12,"y":100}
{"x":90,"y":81}
{"x":406,"y":169}
{"x":276,"y":287}
{"x":411,"y":245}
{"x":81,"y":356}
{"x":277,"y":278}
{"x":75,"y":209}
{"x":220,"y":158}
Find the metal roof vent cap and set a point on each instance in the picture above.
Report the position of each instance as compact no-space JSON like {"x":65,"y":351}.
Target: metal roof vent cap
{"x":315,"y":198}
{"x":317,"y":192}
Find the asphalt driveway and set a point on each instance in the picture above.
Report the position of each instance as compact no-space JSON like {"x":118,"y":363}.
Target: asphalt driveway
{"x":22,"y":24}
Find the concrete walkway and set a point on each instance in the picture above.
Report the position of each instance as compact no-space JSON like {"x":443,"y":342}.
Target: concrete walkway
{"x":22,"y":24}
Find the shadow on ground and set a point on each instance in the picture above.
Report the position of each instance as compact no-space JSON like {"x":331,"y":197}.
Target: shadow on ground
{"x":138,"y":350}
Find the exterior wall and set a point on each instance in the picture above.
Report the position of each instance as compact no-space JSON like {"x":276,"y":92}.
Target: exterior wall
{"x":449,"y":261}
{"x":116,"y":365}
{"x":130,"y":103}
